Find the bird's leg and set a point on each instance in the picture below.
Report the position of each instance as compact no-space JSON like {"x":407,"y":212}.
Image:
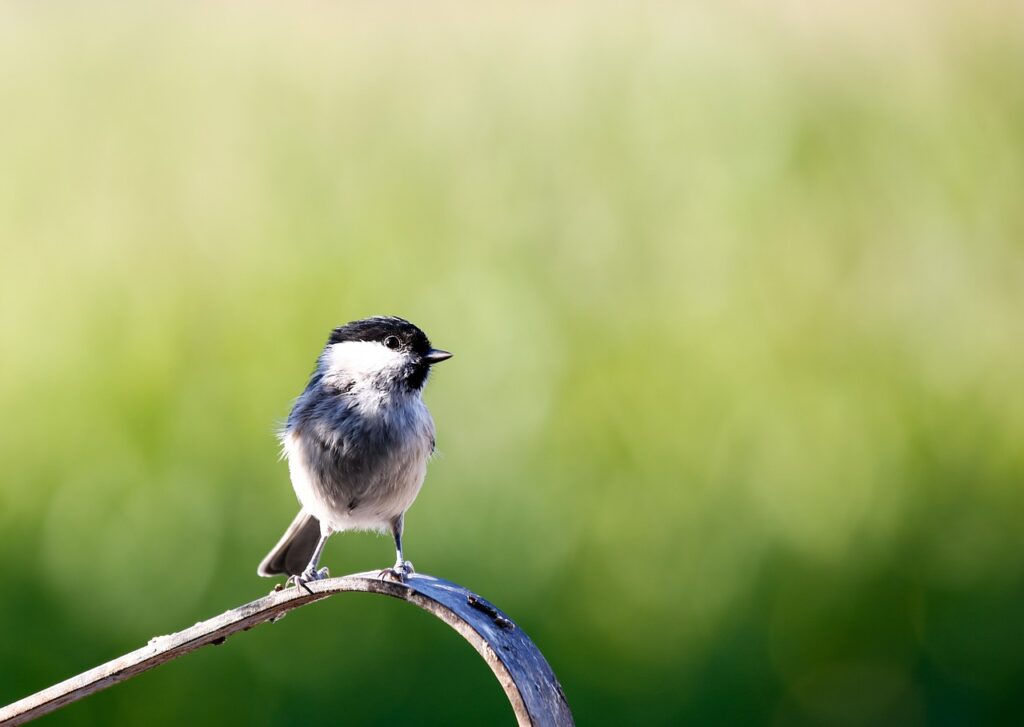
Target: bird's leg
{"x":402,"y":567}
{"x":311,"y":573}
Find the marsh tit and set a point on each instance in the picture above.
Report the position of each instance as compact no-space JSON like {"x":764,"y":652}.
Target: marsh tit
{"x":357,"y":442}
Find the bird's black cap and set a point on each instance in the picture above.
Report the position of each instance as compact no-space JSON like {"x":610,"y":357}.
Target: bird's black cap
{"x":379,"y":328}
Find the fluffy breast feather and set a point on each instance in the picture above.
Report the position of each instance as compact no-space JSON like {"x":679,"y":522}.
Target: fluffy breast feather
{"x":354,"y":465}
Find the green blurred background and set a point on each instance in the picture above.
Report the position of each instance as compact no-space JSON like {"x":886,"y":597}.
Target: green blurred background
{"x":734,"y":427}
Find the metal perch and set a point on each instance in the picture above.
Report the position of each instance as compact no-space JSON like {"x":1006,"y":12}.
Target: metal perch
{"x":524,"y":674}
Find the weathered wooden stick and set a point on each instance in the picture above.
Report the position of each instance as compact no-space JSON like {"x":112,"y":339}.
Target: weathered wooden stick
{"x":522,"y":671}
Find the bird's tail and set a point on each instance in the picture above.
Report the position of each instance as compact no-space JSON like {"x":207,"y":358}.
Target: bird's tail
{"x":295,"y":548}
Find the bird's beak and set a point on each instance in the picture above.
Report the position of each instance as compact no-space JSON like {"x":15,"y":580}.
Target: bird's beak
{"x":436,"y":355}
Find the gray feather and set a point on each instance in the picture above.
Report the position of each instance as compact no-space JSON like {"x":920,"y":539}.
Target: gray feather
{"x":294,"y":549}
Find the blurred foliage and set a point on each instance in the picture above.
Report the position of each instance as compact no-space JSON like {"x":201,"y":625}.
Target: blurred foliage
{"x":734,"y":424}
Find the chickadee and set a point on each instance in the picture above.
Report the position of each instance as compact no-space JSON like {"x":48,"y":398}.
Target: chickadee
{"x":357,"y":442}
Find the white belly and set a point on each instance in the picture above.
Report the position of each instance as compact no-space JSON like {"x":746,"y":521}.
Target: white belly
{"x":367,"y":505}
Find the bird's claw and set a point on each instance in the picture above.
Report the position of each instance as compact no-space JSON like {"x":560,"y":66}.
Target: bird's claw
{"x":399,"y":572}
{"x":307,"y":576}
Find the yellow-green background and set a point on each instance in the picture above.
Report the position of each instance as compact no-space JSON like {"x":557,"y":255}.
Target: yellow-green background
{"x":735,"y":425}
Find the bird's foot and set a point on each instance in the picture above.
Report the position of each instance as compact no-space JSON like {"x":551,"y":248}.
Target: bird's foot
{"x":307,"y":576}
{"x":399,"y":572}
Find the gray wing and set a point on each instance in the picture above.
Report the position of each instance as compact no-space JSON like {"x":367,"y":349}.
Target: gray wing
{"x":293,"y":551}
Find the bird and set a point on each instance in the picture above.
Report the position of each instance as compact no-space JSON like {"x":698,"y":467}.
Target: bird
{"x":357,"y":442}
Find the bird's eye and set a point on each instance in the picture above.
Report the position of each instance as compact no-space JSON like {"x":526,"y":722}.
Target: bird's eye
{"x":392,"y":342}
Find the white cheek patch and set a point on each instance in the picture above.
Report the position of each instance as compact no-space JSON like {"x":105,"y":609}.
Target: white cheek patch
{"x":363,"y":358}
